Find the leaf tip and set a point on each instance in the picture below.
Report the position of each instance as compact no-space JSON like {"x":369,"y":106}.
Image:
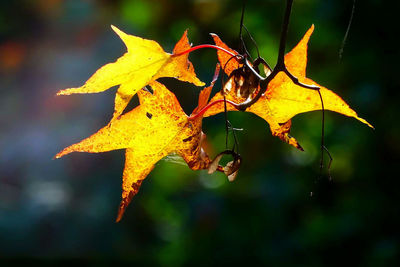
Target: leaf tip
{"x":114,"y":28}
{"x":122,"y":206}
{"x":308,"y":33}
{"x":366,"y":122}
{"x":70,"y":91}
{"x":59,"y":155}
{"x":120,"y":33}
{"x":215,"y":37}
{"x":182,"y":43}
{"x":121,"y":212}
{"x":119,"y":217}
{"x":66,"y":151}
{"x":61,"y":92}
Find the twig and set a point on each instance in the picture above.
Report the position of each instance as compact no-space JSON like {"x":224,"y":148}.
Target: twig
{"x":280,"y":65}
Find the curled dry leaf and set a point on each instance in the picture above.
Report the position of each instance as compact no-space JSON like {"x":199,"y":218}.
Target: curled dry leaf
{"x":231,"y":168}
{"x":283,"y":99}
{"x":144,"y":62}
{"x":214,"y":164}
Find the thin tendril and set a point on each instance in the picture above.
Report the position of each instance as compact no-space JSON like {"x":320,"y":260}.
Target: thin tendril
{"x":322,"y":133}
{"x":252,"y":39}
{"x":226,"y":124}
{"x":236,"y":142}
{"x":323,"y":147}
{"x":347,"y":30}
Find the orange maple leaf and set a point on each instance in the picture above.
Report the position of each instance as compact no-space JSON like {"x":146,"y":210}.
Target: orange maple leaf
{"x":151,"y":131}
{"x":283,"y":99}
{"x":228,"y":63}
{"x":145,"y":61}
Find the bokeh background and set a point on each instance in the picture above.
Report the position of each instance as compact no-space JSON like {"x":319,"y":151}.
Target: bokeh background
{"x":64,"y":210}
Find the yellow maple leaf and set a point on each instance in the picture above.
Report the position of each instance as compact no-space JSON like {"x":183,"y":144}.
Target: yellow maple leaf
{"x":151,"y":131}
{"x":145,"y":61}
{"x":283,"y":99}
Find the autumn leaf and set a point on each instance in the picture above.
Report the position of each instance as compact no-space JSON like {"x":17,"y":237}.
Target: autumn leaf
{"x":283,"y":99}
{"x":158,"y":126}
{"x":205,"y":93}
{"x":145,"y":61}
{"x":151,"y":131}
{"x":228,"y":63}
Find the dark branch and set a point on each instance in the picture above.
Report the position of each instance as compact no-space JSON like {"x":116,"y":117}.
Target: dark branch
{"x":241,"y":43}
{"x":296,"y":81}
{"x":285,"y":27}
{"x":280,"y":65}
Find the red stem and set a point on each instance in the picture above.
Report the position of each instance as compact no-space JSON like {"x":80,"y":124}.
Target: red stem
{"x":206,"y":46}
{"x":209,"y":105}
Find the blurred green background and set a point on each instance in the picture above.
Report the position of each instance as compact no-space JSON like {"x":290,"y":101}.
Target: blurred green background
{"x":52,"y":210}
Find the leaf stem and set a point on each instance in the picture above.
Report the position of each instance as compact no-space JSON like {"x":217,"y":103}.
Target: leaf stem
{"x":207,"y":46}
{"x":209,"y":105}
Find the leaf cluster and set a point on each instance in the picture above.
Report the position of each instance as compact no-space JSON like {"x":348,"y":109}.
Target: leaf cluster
{"x":158,"y":126}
